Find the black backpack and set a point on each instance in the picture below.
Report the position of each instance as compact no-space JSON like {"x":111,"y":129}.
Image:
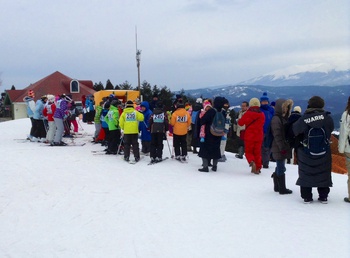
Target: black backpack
{"x":315,"y":141}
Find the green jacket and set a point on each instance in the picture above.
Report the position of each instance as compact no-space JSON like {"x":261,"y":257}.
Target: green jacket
{"x":129,"y":120}
{"x":98,"y":115}
{"x":112,"y":118}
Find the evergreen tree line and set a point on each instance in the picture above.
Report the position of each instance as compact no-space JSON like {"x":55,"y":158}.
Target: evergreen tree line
{"x":147,"y":92}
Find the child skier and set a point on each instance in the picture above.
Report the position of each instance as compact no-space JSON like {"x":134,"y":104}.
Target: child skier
{"x":129,"y":123}
{"x":180,"y":120}
{"x":159,"y":124}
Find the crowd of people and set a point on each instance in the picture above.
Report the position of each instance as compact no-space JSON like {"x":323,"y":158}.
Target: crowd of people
{"x":266,"y":132}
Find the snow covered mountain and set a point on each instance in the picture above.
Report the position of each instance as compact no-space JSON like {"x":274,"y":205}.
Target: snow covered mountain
{"x":302,"y":75}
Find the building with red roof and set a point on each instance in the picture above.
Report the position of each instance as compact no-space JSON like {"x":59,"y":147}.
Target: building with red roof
{"x":55,"y":84}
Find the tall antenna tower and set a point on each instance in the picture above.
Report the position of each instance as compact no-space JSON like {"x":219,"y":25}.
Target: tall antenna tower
{"x":138,"y":60}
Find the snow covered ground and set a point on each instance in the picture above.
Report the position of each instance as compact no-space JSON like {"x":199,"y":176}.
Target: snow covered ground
{"x":67,"y":202}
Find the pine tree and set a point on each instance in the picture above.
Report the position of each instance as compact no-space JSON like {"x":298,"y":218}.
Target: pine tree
{"x":125,"y":86}
{"x":166,"y":96}
{"x":109,"y":85}
{"x":146,"y":91}
{"x":98,"y":87}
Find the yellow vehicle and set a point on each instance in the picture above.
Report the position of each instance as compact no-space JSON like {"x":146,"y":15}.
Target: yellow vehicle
{"x":122,"y":95}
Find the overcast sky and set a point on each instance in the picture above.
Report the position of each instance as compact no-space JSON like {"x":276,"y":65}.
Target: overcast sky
{"x":185,"y":43}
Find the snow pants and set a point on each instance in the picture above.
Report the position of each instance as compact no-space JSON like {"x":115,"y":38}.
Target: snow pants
{"x":131,"y":140}
{"x":253,"y":152}
{"x":156,"y":149}
{"x":180,"y":145}
{"x":59,"y":130}
{"x":51,"y":132}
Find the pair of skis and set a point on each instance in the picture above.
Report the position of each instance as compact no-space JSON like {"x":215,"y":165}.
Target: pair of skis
{"x":156,"y":162}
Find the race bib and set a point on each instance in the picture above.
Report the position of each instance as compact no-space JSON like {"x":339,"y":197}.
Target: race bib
{"x":181,"y":119}
{"x":130,"y":117}
{"x":158,"y":118}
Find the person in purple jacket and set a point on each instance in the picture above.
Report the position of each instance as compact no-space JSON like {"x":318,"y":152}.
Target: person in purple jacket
{"x":59,"y":116}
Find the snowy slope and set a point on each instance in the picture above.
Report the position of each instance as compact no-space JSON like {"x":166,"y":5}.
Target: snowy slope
{"x":66,"y":202}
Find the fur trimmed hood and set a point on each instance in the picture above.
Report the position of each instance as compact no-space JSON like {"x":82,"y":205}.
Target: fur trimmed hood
{"x":284,"y":107}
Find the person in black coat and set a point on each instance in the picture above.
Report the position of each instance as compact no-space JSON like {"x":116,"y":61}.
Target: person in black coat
{"x":210,"y":148}
{"x":314,"y":170}
{"x":196,"y":109}
{"x":293,"y":141}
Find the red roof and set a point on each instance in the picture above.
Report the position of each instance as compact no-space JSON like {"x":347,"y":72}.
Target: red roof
{"x":55,"y":84}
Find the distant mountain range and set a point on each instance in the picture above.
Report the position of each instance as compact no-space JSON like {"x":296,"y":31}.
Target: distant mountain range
{"x":306,"y":75}
{"x":332,"y":85}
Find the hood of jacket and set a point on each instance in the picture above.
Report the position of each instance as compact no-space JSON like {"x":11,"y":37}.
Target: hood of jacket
{"x":27,"y":99}
{"x":219,"y":103}
{"x":283,"y":107}
{"x":145,"y":104}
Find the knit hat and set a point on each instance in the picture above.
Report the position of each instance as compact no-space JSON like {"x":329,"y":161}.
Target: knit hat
{"x":316,"y":102}
{"x":199,"y":101}
{"x":206,"y":104}
{"x":129,"y":103}
{"x":297,"y":109}
{"x":273,"y":103}
{"x":51,"y":98}
{"x":254,"y":102}
{"x":264,"y":97}
{"x":180,"y":104}
{"x":115,"y":102}
{"x":31,"y":94}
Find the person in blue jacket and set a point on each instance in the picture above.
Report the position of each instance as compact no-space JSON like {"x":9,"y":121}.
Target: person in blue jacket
{"x":39,"y":133}
{"x":90,"y":108}
{"x":268,"y":111}
{"x":144,"y":128}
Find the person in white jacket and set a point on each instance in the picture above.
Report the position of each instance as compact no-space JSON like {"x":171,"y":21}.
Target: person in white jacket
{"x":344,"y":142}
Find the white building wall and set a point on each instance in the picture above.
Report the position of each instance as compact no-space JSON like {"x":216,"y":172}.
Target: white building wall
{"x":19,"y":110}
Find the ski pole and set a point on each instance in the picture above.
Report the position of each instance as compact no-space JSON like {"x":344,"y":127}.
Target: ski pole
{"x":169,"y":147}
{"x":121,"y":141}
{"x":80,"y":125}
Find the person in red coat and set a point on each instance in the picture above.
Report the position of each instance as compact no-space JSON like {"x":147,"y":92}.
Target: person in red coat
{"x":254,"y":121}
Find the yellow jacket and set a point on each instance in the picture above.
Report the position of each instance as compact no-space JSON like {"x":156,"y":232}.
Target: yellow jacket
{"x":129,"y":120}
{"x":180,"y":120}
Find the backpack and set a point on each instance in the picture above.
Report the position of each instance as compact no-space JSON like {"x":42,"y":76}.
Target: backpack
{"x":217,"y":127}
{"x":315,"y":142}
{"x":194,"y":116}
